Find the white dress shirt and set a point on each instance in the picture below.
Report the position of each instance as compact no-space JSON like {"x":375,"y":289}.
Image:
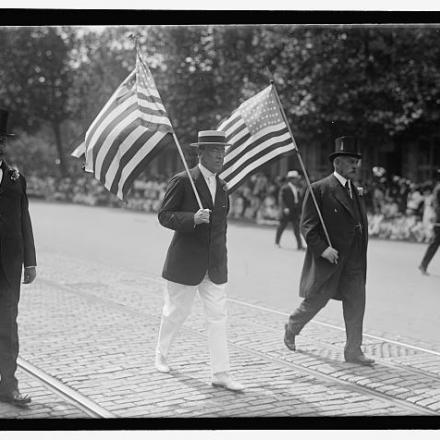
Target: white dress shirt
{"x":210,"y":179}
{"x":295,"y":192}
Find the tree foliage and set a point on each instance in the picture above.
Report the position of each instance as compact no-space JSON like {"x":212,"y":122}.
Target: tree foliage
{"x":380,"y":83}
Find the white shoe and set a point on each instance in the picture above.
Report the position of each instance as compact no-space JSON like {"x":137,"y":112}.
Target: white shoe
{"x":226,"y":381}
{"x":161,"y":364}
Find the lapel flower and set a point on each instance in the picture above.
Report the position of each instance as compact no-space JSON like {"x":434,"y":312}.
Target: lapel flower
{"x":360,"y":190}
{"x":13,"y":174}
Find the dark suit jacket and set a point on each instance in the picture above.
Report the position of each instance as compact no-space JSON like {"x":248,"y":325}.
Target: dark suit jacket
{"x":16,"y":238}
{"x":319,"y":276}
{"x":287,"y":200}
{"x":195,"y":250}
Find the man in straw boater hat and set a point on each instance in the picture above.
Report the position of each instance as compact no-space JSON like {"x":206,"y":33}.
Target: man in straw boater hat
{"x":16,"y":250}
{"x":336,"y":258}
{"x":197,"y":256}
{"x":290,"y":199}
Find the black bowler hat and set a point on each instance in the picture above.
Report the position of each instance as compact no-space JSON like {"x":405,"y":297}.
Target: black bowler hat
{"x":4,"y":123}
{"x":345,"y":146}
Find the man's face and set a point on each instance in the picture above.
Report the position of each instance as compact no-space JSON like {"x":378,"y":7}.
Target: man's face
{"x":347,"y":166}
{"x":294,"y":180}
{"x":212,"y":157}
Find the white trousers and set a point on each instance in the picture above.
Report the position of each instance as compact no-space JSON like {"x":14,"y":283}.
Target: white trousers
{"x":178,"y":300}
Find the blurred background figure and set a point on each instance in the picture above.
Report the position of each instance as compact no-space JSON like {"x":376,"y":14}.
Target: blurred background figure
{"x":290,"y":200}
{"x":435,"y":239}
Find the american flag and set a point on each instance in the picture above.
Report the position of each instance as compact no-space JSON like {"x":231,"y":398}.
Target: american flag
{"x":257,"y":133}
{"x":127,"y":133}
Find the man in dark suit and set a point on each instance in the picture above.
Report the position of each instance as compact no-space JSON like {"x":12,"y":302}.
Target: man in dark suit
{"x":435,"y":240}
{"x":197,"y":256}
{"x":336,"y":270}
{"x":290,"y":199}
{"x":16,"y":249}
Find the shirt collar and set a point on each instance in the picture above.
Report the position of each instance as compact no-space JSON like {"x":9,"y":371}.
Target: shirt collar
{"x":342,"y":180}
{"x":206,"y":173}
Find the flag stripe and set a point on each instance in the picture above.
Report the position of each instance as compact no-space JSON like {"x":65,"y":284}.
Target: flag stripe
{"x":117,"y":114}
{"x":154,"y":101}
{"x":133,"y":134}
{"x":228,"y":122}
{"x":254,"y":154}
{"x":111,"y":136}
{"x":79,"y":151}
{"x":135,"y":156}
{"x":163,"y":143}
{"x":235,"y":181}
{"x":253,"y":142}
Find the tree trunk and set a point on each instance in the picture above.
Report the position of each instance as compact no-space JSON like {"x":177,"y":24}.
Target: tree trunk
{"x":59,"y":144}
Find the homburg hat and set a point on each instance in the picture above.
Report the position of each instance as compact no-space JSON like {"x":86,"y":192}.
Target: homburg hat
{"x":211,"y":137}
{"x":4,"y":123}
{"x":345,"y":146}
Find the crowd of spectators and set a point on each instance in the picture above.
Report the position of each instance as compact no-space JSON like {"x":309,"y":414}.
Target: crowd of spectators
{"x":397,"y":208}
{"x":145,"y":195}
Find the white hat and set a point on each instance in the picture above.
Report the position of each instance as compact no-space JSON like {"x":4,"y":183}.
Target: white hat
{"x":293,"y":174}
{"x":211,"y":137}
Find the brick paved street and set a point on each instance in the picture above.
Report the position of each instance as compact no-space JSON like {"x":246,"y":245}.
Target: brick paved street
{"x":94,"y":329}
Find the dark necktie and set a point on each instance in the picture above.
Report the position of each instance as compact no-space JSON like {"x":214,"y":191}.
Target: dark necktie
{"x":348,"y":188}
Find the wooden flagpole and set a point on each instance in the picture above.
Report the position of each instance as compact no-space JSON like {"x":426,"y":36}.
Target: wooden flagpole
{"x":179,"y":148}
{"x":309,"y":185}
{"x":187,"y":171}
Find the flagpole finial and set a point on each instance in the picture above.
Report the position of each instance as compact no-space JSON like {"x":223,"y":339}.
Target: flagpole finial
{"x":270,"y":75}
{"x":135,"y":39}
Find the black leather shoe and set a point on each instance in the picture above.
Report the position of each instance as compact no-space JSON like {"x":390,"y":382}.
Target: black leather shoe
{"x":289,"y":339}
{"x":360,"y":359}
{"x":15,"y":398}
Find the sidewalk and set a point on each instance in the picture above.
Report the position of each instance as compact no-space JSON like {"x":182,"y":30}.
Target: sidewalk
{"x":95,"y":330}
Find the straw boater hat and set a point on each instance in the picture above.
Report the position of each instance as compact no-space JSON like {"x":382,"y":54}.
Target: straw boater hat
{"x":293,"y":174}
{"x":211,"y":137}
{"x":4,"y":123}
{"x":345,"y":146}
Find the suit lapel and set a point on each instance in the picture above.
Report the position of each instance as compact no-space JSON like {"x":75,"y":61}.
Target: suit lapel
{"x":202,"y":188}
{"x":342,"y":197}
{"x":219,"y":190}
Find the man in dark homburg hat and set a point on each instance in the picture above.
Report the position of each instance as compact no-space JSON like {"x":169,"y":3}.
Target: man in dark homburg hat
{"x":336,"y":270}
{"x":197,"y":256}
{"x":435,"y":239}
{"x":290,"y":201}
{"x":16,"y":250}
